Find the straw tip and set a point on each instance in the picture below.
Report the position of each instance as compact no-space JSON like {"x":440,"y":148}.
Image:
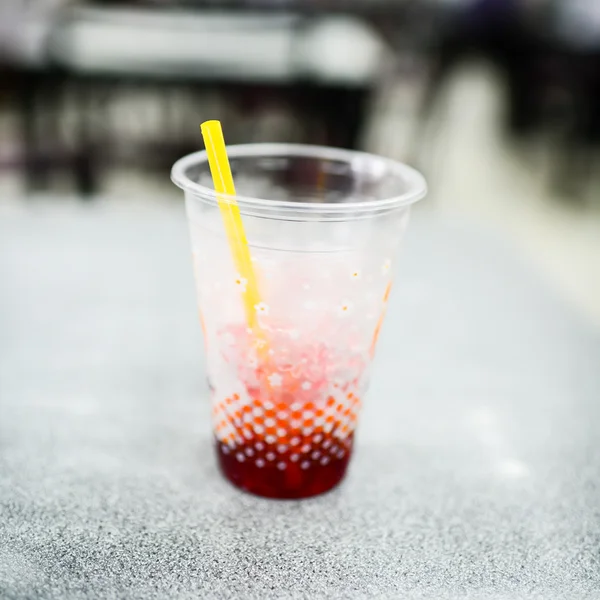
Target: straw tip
{"x":208,"y":125}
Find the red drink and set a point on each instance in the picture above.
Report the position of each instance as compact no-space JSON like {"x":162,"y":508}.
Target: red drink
{"x":285,"y":450}
{"x":287,"y":426}
{"x":272,"y":474}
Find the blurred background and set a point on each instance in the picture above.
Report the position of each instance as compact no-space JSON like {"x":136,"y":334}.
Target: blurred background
{"x":496,"y":101}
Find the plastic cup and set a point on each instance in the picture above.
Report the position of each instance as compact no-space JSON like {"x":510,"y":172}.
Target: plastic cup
{"x":323,"y":226}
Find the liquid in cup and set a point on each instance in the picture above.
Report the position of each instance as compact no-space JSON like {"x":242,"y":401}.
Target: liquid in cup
{"x":323,"y":226}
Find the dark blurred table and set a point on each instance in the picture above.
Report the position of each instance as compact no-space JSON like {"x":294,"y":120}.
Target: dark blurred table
{"x":320,"y":62}
{"x":320,"y":69}
{"x":320,"y":6}
{"x":477,"y":464}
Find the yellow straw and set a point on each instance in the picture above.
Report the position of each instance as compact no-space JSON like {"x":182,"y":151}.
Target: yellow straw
{"x":234,"y":227}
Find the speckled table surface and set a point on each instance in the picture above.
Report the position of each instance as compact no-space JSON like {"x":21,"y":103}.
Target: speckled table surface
{"x":477,"y":467}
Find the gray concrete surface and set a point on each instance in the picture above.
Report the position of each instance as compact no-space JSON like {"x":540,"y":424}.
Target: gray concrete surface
{"x":477,"y":462}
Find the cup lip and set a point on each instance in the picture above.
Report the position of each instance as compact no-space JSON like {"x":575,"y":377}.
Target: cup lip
{"x":417,"y":186}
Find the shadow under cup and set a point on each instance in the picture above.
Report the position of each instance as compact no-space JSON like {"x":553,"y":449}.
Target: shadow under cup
{"x":323,"y":226}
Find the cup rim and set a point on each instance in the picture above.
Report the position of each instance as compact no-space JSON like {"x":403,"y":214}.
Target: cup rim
{"x":417,"y":187}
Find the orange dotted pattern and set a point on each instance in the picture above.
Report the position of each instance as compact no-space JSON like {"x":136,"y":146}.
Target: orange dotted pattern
{"x":237,"y":420}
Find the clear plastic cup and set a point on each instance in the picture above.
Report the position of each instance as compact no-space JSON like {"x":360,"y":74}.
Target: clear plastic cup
{"x":323,"y":226}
